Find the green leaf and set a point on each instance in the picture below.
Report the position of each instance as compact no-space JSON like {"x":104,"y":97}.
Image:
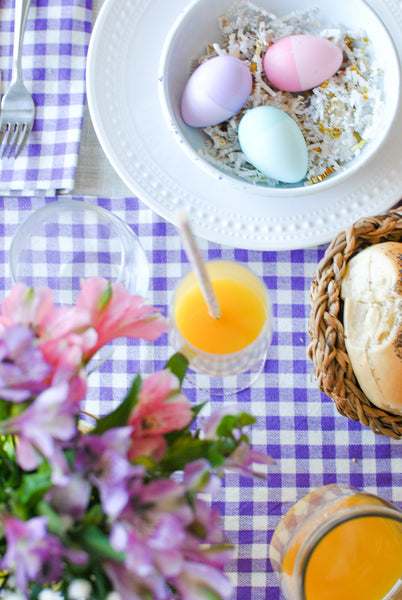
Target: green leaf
{"x":4,"y":409}
{"x":234,"y":422}
{"x":35,"y":591}
{"x":10,"y":475}
{"x":187,"y":449}
{"x":227,"y":446}
{"x":54,"y":522}
{"x":105,"y":297}
{"x":245,"y":419}
{"x":178,"y":365}
{"x":198,"y":408}
{"x":184,"y":450}
{"x":120,"y":416}
{"x":17,"y":408}
{"x":209,"y":594}
{"x":226,"y":426}
{"x":149,"y":463}
{"x":97,"y":544}
{"x":215,"y":457}
{"x":94,"y":515}
{"x":34,"y":486}
{"x":101,"y":583}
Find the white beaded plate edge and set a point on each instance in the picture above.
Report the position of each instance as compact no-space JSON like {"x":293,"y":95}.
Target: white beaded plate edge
{"x":122,"y":86}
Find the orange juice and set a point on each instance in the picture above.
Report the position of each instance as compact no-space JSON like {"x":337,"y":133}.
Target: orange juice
{"x":339,"y":544}
{"x":361,"y":558}
{"x":240,"y":337}
{"x":243,"y":317}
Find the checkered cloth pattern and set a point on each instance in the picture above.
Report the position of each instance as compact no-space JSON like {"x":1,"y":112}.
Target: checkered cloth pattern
{"x":296,"y":425}
{"x":53,"y":69}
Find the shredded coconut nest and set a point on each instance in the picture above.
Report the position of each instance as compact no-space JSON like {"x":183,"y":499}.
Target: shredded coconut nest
{"x":336,"y":118}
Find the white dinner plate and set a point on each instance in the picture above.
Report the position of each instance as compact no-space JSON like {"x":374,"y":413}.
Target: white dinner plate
{"x":124,"y":101}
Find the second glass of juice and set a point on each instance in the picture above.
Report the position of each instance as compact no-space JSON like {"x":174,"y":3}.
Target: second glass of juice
{"x":237,"y":342}
{"x":339,"y":543}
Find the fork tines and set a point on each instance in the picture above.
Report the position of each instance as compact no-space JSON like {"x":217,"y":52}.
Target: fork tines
{"x":13,"y":134}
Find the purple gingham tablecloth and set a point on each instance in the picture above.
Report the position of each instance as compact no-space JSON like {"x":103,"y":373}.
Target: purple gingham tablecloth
{"x":296,"y":424}
{"x":53,"y":68}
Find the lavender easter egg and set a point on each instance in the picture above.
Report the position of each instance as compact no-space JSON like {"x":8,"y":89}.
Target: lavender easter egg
{"x":301,"y":62}
{"x":215,"y":91}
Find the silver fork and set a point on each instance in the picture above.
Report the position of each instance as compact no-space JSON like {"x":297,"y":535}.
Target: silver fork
{"x":17,"y":105}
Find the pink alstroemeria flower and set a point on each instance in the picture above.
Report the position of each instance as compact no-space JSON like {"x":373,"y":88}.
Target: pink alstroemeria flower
{"x":66,"y":335}
{"x":161,"y":408}
{"x":25,"y":306}
{"x":63,"y":334}
{"x":114,"y":312}
{"x":70,"y":336}
{"x":68,"y":350}
{"x":35,"y":309}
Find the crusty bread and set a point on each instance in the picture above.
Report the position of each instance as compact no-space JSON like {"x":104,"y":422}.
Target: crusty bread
{"x":372,"y":319}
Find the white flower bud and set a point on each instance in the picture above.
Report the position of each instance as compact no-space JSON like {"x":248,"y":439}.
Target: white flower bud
{"x":79,"y":589}
{"x":113,"y":596}
{"x":48,"y":594}
{"x":9,"y":595}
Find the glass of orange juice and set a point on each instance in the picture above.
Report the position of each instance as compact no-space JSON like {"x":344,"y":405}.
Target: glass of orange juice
{"x":228,"y":353}
{"x":339,"y":543}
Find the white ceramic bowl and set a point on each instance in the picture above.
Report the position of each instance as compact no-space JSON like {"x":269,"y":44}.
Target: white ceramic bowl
{"x":197,"y":25}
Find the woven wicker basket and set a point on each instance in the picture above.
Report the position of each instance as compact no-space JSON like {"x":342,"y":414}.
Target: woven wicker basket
{"x":326,"y":349}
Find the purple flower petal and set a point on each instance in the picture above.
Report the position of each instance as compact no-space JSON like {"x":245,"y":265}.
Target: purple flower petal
{"x":197,"y":581}
{"x":104,"y":459}
{"x":22,"y":367}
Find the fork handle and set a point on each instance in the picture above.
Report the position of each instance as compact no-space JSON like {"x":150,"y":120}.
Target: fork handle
{"x":20,"y":19}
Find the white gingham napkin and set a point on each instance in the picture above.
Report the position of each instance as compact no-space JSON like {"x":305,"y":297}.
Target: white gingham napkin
{"x":53,"y":68}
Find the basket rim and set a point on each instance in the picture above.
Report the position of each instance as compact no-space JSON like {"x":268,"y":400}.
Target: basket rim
{"x":333,"y":368}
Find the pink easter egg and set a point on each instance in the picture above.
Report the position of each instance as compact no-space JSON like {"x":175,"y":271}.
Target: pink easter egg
{"x":301,"y":62}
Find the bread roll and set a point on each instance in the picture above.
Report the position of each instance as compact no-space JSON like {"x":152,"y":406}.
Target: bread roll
{"x":372,"y":318}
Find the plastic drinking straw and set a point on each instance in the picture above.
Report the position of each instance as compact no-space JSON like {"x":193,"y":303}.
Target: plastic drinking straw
{"x":194,"y":257}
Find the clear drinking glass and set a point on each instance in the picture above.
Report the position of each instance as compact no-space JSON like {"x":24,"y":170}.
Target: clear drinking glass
{"x":67,"y":240}
{"x":215,"y":370}
{"x":339,"y":543}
